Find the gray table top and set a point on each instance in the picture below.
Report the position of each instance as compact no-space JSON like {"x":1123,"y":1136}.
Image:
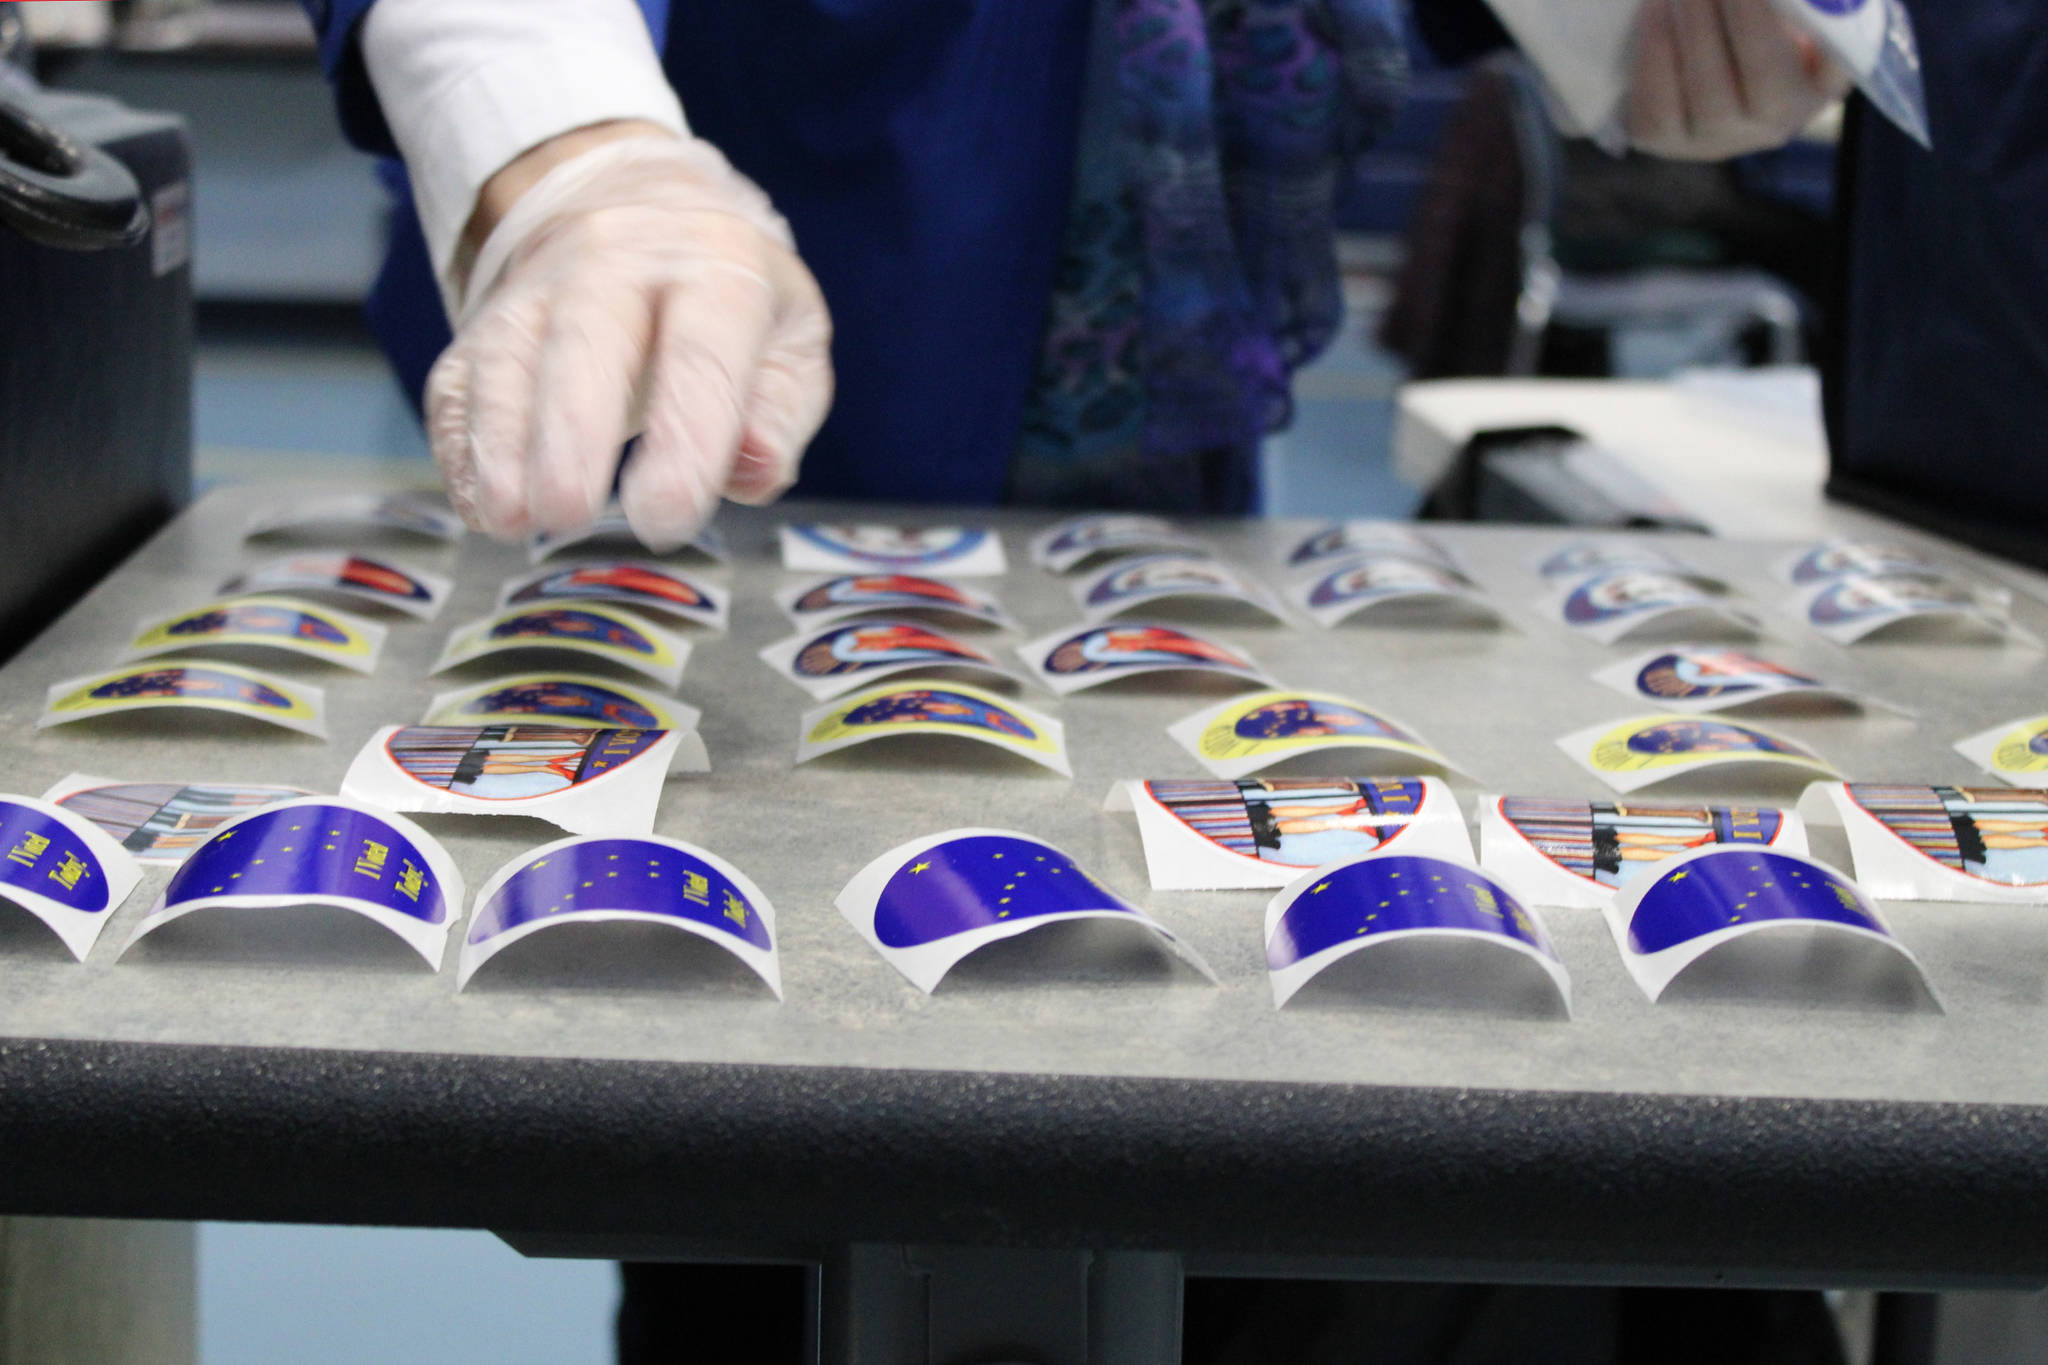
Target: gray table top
{"x":1492,"y":699}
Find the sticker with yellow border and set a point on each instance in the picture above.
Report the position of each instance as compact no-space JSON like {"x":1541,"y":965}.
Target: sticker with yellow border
{"x":929,"y":706}
{"x":1245,"y":734}
{"x":1636,"y":753}
{"x":280,"y":623}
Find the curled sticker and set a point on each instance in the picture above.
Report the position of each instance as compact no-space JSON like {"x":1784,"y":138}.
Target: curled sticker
{"x":818,"y":547}
{"x":1238,"y":737}
{"x":278,"y":623}
{"x":1070,"y":660}
{"x":62,"y":869}
{"x":592,"y":630}
{"x":1563,"y":851}
{"x":198,"y":684}
{"x":1636,"y":753}
{"x":1943,"y":843}
{"x":933,"y":707}
{"x":622,"y":582}
{"x":588,"y":781}
{"x":1097,"y":533}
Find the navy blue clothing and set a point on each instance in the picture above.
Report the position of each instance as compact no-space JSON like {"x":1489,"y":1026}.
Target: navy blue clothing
{"x":923,"y":152}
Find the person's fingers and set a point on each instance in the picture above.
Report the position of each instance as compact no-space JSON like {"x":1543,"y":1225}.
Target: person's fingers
{"x":1654,"y":114}
{"x":501,"y":349}
{"x":447,"y":421}
{"x":710,"y":335}
{"x":791,"y":394}
{"x":1776,"y":86}
{"x":599,"y":330}
{"x":1714,"y":97}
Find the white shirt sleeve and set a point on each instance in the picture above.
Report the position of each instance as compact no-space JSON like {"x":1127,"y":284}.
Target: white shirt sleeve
{"x":468,"y":85}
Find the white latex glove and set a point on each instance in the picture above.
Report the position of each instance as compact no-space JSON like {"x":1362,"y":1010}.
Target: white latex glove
{"x":1719,"y":78}
{"x":642,"y":287}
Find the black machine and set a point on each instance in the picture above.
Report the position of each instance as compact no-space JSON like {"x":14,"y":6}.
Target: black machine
{"x":95,"y":340}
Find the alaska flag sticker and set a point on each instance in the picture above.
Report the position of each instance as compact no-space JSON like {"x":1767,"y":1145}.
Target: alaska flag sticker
{"x":927,"y":904}
{"x":1335,"y":911}
{"x":322,"y":851}
{"x":1704,"y":899}
{"x":650,"y":880}
{"x":62,"y":869}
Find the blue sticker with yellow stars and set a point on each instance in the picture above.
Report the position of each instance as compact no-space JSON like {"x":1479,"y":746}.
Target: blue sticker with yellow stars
{"x":643,"y":876}
{"x":42,"y":855}
{"x":982,"y":880}
{"x":319,"y":851}
{"x":1393,"y":892}
{"x":1731,"y":887}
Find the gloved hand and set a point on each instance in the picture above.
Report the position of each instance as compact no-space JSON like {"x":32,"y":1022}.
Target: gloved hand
{"x":1720,"y":78}
{"x":643,"y":286}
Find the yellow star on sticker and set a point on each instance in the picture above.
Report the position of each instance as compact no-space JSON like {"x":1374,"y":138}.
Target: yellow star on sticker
{"x":1320,"y":888}
{"x":919,"y":868}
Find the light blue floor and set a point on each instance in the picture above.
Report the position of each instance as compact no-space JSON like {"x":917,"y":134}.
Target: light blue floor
{"x":277,"y":408}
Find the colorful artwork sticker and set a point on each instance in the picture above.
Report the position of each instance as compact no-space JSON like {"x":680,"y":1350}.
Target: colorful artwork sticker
{"x":1354,"y":538}
{"x":161,"y":822}
{"x":321,"y":851}
{"x":1839,"y":558}
{"x":1082,"y":538}
{"x":826,"y":600}
{"x":1070,"y":660}
{"x":586,"y":781}
{"x":612,"y":530}
{"x":1636,"y":753}
{"x":1943,"y":843}
{"x":419,"y":514}
{"x":1705,"y":899}
{"x":1560,"y":851}
{"x":2016,"y":751}
{"x":1621,"y":602}
{"x":278,"y":623}
{"x":381,"y":581}
{"x":194,"y":684}
{"x":1583,"y":558}
{"x":929,"y":903}
{"x":62,"y":869}
{"x":1152,"y":579}
{"x":561,"y":699}
{"x":595,"y":631}
{"x":932,"y":707}
{"x":1264,"y":832}
{"x":1708,"y":677}
{"x":623,"y":582}
{"x":1849,"y":608}
{"x":840,"y":658}
{"x":1360,"y":585}
{"x":605,"y":879}
{"x":1236,"y":738}
{"x":819,"y":547}
{"x":1376,"y":899}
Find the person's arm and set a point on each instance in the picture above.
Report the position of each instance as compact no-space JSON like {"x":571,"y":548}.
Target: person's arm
{"x":608,"y":274}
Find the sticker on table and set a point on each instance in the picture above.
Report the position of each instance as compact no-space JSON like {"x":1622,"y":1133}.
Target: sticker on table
{"x":586,"y":781}
{"x":1849,"y":608}
{"x":827,"y":600}
{"x":1583,"y":558}
{"x":1610,"y":605}
{"x":1718,"y":677}
{"x":613,"y":530}
{"x":1084,"y":537}
{"x":929,"y":707}
{"x":623,"y":582}
{"x":417,"y":514}
{"x":63,"y":869}
{"x":603,"y":879}
{"x":597,"y":631}
{"x":1362,"y":585}
{"x":279,"y":623}
{"x":2016,"y":751}
{"x":1265,"y":832}
{"x":1636,"y":753}
{"x":1070,"y":660}
{"x":321,"y":851}
{"x":820,"y":547}
{"x":382,"y":581}
{"x":1354,"y":538}
{"x":927,"y":904}
{"x":1157,"y":578}
{"x":1236,"y":738}
{"x":1840,"y":558}
{"x":1560,"y":851}
{"x":1701,"y":900}
{"x":161,"y":822}
{"x":1929,"y":843}
{"x":1365,"y":902}
{"x":194,"y":685}
{"x":560,"y":699}
{"x":840,"y":658}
